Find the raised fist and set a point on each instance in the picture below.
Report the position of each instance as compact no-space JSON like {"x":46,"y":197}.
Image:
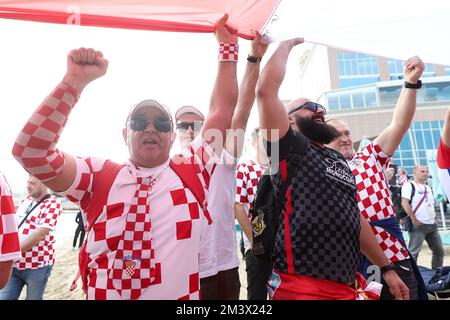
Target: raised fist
{"x":413,"y":69}
{"x":84,"y":65}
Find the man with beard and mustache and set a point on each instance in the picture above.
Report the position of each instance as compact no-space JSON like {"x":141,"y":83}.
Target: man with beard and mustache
{"x":369,"y":168}
{"x":320,"y":232}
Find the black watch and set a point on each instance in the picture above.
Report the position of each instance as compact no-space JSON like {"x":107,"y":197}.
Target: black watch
{"x":253,"y":59}
{"x":417,"y":85}
{"x":387,"y":268}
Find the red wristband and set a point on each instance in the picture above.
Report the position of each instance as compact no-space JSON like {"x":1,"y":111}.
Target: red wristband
{"x":228,"y":51}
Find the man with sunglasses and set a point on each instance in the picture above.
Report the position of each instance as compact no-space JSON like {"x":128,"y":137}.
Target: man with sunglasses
{"x":320,"y":231}
{"x":369,"y":167}
{"x":219,"y":262}
{"x":144,"y":244}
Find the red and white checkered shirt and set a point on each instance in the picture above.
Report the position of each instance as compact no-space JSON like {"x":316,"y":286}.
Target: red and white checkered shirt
{"x":45,"y":215}
{"x":176,"y":224}
{"x":402,"y":179}
{"x":374,"y":200}
{"x":9,"y":237}
{"x":247,"y":178}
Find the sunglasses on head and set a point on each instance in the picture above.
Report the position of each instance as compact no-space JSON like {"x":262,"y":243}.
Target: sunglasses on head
{"x":160,"y":124}
{"x":184,"y":126}
{"x":311,"y":106}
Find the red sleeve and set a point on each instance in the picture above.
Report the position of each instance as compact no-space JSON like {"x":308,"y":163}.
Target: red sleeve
{"x":443,"y":156}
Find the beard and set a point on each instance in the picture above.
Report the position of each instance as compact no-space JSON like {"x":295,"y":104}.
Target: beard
{"x":318,"y":132}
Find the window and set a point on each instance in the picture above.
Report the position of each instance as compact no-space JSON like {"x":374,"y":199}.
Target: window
{"x":357,"y":69}
{"x":352,"y":99}
{"x":370,"y":99}
{"x":422,"y":136}
{"x":347,"y":82}
{"x":389,"y":95}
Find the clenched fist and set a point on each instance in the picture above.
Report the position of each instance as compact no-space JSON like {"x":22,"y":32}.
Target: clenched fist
{"x":413,"y":69}
{"x":83,"y":66}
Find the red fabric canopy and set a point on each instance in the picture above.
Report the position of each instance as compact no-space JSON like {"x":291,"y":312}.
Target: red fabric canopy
{"x":160,"y":15}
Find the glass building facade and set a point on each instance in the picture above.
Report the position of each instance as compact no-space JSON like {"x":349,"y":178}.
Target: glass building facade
{"x":357,"y":69}
{"x":422,"y":136}
{"x":360,"y":87}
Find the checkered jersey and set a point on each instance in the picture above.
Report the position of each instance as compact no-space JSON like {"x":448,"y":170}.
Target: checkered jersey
{"x":374,"y":200}
{"x":247,"y":178}
{"x":45,"y":215}
{"x":402,"y":179}
{"x":176,"y":222}
{"x":9,"y":238}
{"x":318,"y":231}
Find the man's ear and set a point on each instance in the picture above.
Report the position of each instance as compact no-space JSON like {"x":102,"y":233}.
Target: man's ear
{"x":291,"y":119}
{"x":124,"y":135}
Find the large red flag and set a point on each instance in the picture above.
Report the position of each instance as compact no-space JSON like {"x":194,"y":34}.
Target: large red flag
{"x":161,"y":15}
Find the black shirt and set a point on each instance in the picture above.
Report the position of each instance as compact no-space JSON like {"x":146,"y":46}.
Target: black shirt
{"x":323,"y":229}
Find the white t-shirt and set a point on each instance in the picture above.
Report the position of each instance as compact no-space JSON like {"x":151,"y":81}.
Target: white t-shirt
{"x":425,"y":213}
{"x":218,"y":244}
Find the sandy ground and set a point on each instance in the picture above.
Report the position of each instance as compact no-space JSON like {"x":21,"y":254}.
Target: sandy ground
{"x":66,"y":265}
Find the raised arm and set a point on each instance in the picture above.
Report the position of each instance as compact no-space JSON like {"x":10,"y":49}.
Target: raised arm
{"x":272,"y":113}
{"x":390,"y":138}
{"x":224,"y":95}
{"x":35,"y":146}
{"x":246,"y":98}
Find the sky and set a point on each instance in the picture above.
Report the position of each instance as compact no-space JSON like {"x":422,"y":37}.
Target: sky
{"x":173,"y":68}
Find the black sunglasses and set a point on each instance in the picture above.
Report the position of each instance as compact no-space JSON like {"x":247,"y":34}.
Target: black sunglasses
{"x":184,"y":126}
{"x":161,"y":124}
{"x":311,"y":106}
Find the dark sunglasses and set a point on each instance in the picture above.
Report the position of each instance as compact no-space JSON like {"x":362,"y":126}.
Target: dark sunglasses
{"x":160,"y":124}
{"x":184,"y":126}
{"x":311,"y":106}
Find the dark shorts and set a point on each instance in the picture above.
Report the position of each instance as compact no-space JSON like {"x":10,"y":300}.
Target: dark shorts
{"x":224,"y":285}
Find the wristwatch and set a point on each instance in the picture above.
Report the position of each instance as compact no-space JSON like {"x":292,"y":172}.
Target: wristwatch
{"x":417,"y":85}
{"x":387,"y":268}
{"x":253,"y":59}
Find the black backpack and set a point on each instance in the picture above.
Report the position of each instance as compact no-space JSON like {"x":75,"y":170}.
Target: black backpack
{"x":264,"y":215}
{"x":396,"y":195}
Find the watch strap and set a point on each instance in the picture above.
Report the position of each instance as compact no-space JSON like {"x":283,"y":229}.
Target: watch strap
{"x":409,"y":85}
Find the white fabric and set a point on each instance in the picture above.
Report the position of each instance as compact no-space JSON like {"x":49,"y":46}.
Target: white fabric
{"x":394,"y":29}
{"x":425,"y":213}
{"x":218,"y":244}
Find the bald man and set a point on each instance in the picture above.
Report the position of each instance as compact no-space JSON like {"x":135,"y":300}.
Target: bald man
{"x":320,"y":231}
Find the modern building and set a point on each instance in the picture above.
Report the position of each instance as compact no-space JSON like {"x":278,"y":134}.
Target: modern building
{"x":363,"y":89}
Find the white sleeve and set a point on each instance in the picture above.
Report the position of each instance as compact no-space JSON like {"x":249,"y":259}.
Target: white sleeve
{"x":406,"y":191}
